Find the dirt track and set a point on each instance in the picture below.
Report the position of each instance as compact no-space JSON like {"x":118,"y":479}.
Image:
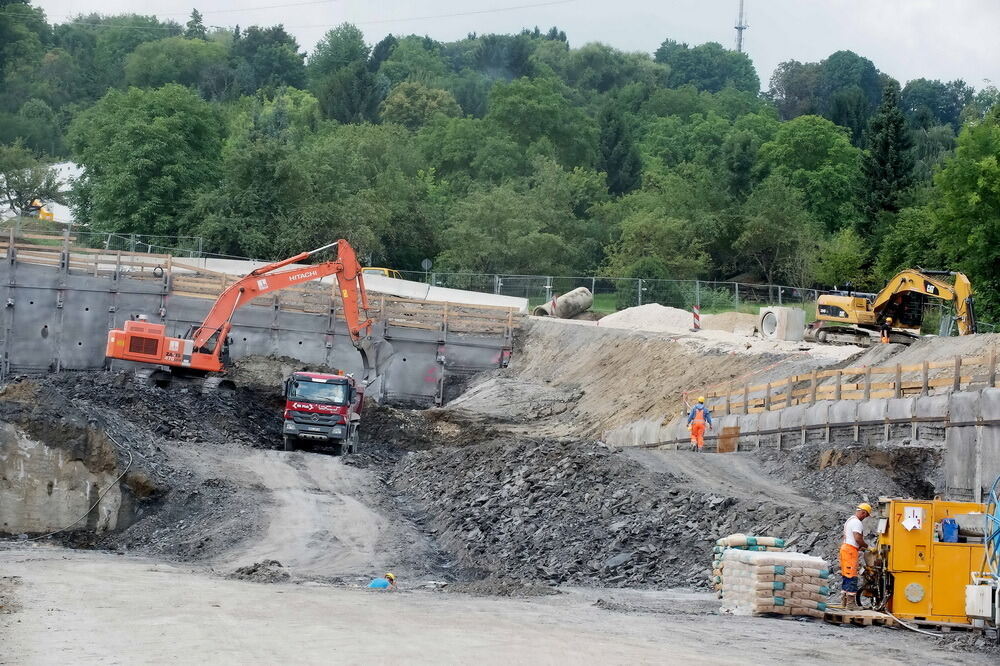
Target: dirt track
{"x":93,"y":608}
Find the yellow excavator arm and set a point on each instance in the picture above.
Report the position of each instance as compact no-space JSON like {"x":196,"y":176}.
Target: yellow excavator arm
{"x":900,"y":303}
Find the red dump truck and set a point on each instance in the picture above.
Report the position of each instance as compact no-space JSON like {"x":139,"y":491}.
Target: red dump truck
{"x":322,"y":408}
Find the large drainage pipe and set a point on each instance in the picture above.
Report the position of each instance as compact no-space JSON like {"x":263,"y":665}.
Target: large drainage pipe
{"x":566,"y":306}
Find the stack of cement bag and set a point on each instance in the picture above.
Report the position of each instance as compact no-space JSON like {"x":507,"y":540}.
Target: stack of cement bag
{"x":740,"y":542}
{"x":762,"y":582}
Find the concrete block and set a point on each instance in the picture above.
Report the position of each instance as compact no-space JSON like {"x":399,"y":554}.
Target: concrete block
{"x":873,"y":410}
{"x":781,"y":323}
{"x":963,"y":406}
{"x":844,"y":412}
{"x":793,"y":417}
{"x":817,"y":413}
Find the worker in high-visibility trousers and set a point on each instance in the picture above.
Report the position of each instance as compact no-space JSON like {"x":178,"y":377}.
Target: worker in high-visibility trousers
{"x":886,"y":331}
{"x":850,"y":549}
{"x":697,"y":420}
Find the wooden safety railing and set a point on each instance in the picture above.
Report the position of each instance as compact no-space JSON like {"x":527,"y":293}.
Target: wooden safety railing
{"x":862,"y":383}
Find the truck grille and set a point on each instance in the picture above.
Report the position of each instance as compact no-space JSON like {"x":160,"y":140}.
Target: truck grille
{"x":140,"y":345}
{"x":315,"y":419}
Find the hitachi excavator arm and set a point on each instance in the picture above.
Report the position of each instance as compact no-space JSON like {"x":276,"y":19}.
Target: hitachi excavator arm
{"x":202,"y":349}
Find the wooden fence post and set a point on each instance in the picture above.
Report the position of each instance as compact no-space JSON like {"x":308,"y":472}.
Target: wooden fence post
{"x":767,"y":398}
{"x":868,"y":382}
{"x":899,"y":381}
{"x":729,"y":409}
{"x":957,"y":384}
{"x":815,"y":379}
{"x":746,"y":398}
{"x":924,"y":387}
{"x":839,"y":378}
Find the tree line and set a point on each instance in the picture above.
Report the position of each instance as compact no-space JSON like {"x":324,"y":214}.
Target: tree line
{"x":513,"y":153}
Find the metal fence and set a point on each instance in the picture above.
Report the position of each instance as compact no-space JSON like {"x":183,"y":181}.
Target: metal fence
{"x":611,"y":294}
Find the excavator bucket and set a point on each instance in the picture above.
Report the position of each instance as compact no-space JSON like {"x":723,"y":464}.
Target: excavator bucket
{"x":375,"y":356}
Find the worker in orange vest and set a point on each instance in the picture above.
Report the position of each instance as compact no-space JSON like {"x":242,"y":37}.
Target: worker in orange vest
{"x":850,"y":549}
{"x":697,"y":419}
{"x":887,"y":330}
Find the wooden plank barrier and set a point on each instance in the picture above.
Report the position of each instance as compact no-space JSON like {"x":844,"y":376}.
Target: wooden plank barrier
{"x":859,"y":383}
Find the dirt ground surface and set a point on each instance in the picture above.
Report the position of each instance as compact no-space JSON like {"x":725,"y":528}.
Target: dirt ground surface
{"x":98,"y":608}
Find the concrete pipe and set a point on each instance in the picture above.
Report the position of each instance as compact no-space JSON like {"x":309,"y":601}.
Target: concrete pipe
{"x":566,"y":306}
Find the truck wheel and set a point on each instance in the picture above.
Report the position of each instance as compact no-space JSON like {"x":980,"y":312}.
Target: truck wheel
{"x":289,"y":443}
{"x":339,"y":448}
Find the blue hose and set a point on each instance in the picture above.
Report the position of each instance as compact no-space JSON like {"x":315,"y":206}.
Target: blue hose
{"x":993,"y":530}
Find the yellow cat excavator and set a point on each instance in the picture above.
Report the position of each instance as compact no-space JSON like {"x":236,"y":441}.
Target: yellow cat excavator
{"x":898,"y":310}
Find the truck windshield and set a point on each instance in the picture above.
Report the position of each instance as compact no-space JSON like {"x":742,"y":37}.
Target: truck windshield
{"x":333,"y":394}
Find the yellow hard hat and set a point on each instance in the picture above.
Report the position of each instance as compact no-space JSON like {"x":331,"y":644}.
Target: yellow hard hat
{"x":864,"y":506}
{"x":888,"y":320}
{"x":391,"y":577}
{"x":701,"y":398}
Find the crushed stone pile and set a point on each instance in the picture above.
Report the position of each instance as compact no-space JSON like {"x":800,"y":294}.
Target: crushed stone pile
{"x":582,"y":513}
{"x":266,"y":571}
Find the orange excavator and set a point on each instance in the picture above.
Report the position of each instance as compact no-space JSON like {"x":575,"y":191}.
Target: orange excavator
{"x":205,"y":347}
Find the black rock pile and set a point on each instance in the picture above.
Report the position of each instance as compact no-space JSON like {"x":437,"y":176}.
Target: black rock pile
{"x":581,"y":513}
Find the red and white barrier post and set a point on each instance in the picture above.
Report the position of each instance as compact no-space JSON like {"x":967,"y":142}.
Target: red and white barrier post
{"x":696,"y":311}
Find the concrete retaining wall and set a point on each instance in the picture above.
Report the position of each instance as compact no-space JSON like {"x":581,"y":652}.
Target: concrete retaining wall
{"x":965,"y":424}
{"x":55,"y":319}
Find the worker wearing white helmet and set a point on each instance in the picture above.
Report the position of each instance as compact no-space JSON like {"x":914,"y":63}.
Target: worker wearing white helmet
{"x":850,"y":549}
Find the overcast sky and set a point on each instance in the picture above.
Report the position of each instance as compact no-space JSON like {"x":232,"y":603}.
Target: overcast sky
{"x":937,"y":39}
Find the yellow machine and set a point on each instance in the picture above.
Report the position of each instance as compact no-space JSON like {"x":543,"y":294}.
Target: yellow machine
{"x":384,"y":272}
{"x":911,"y":572}
{"x":859,"y":318}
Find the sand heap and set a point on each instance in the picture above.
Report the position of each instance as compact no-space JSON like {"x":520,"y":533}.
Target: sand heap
{"x":717,"y":331}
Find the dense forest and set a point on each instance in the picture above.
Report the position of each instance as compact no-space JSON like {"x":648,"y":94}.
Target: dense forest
{"x":504,"y":153}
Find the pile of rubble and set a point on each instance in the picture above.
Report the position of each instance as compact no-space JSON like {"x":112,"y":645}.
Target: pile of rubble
{"x":581,"y":513}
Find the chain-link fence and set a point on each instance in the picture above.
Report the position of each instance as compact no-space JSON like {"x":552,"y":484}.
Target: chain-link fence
{"x":611,"y":294}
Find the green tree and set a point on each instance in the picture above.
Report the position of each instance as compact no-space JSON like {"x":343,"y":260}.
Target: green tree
{"x":144,"y":154}
{"x":778,"y":232}
{"x":413,"y":105}
{"x":173,"y":60}
{"x":23,"y":177}
{"x":968,"y":207}
{"x":340,"y":47}
{"x":617,"y":156}
{"x":352,"y":94}
{"x":194,"y":28}
{"x":842,"y":258}
{"x":817,"y":157}
{"x":887,"y":165}
{"x":267,"y":57}
{"x":708,"y":66}
{"x":537,"y":111}
{"x":794,"y":87}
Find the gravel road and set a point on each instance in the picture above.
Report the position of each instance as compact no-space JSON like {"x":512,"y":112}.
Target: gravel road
{"x":88,"y":608}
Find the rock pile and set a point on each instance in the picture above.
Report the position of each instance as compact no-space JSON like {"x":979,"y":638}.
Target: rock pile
{"x":581,"y":513}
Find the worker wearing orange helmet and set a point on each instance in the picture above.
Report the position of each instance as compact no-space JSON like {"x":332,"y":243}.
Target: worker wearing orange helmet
{"x":698,"y":419}
{"x":850,"y":549}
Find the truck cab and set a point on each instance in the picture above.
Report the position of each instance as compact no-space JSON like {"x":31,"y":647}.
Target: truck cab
{"x":322,"y":408}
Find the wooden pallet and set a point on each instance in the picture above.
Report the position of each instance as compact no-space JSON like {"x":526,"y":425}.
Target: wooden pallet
{"x":861,"y":618}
